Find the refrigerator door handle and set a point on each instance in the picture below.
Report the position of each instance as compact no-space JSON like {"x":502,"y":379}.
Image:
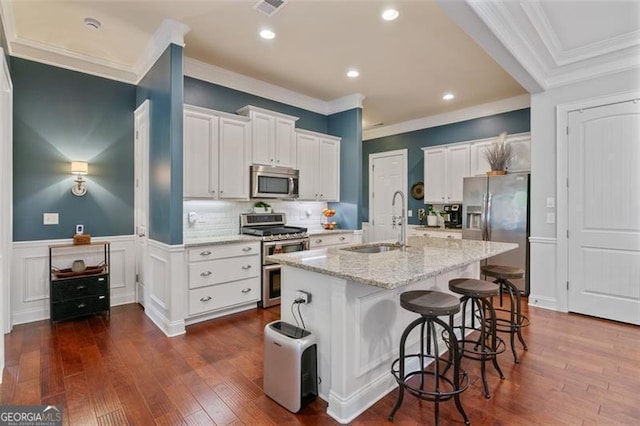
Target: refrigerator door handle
{"x":488,"y":224}
{"x":483,"y":218}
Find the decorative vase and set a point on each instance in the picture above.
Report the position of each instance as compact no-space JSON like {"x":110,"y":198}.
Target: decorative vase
{"x":78,"y":266}
{"x":496,"y":172}
{"x":432,"y":220}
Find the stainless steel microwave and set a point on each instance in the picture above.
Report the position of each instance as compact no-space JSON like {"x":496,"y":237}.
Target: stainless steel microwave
{"x":274,"y":182}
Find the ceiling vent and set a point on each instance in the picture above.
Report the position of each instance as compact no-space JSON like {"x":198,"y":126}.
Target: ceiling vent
{"x":269,"y":7}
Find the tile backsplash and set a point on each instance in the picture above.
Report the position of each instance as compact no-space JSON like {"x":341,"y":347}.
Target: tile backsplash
{"x":212,"y":218}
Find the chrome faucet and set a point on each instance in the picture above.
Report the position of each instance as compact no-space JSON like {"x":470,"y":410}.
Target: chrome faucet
{"x":403,"y":220}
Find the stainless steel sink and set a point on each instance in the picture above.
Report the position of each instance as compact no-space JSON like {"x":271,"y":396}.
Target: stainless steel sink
{"x":373,"y":248}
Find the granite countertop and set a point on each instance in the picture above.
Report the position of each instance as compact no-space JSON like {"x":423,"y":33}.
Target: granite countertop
{"x":425,"y":257}
{"x":224,"y":239}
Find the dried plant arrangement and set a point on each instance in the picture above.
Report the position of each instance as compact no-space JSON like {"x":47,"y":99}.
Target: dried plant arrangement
{"x":498,"y":153}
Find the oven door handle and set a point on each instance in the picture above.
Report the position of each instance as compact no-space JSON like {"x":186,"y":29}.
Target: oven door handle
{"x":283,"y":243}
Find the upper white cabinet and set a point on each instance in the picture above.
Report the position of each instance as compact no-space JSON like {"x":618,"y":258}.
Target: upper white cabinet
{"x":444,"y":169}
{"x":273,"y":137}
{"x":216,"y":151}
{"x":318,"y":159}
{"x":520,"y":149}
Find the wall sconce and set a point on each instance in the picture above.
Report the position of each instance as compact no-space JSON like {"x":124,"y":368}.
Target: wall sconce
{"x":79,"y":168}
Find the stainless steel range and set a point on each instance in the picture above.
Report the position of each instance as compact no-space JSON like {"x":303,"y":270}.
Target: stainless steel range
{"x":276,"y":238}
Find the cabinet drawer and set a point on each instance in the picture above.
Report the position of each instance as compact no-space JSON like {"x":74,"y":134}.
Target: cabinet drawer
{"x":79,"y":287}
{"x":225,"y":295}
{"x":78,"y":307}
{"x":221,"y":251}
{"x":222,"y":270}
{"x":324,"y":240}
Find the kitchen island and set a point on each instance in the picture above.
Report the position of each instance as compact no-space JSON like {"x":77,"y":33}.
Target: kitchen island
{"x":355,"y":311}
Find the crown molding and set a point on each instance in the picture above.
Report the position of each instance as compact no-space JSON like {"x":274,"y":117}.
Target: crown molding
{"x":538,"y":17}
{"x":223,"y":77}
{"x":345,"y":103}
{"x":484,"y":110}
{"x":169,"y":32}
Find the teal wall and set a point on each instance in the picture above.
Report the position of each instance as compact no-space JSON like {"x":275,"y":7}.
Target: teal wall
{"x":60,"y":116}
{"x":511,"y":122}
{"x":348,"y":124}
{"x":163,"y":86}
{"x":208,"y":95}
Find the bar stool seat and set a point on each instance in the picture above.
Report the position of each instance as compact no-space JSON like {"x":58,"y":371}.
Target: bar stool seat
{"x":430,"y":305}
{"x":516,"y":321}
{"x":486,"y":346}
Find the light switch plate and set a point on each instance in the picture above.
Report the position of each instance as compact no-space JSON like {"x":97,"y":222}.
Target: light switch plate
{"x":551,"y":218}
{"x":551,"y":202}
{"x":409,"y":213}
{"x":51,"y":219}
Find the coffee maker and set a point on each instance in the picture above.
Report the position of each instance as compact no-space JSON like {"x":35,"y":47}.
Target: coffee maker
{"x":454,"y":211}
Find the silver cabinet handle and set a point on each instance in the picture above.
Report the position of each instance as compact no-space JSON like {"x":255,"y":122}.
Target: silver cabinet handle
{"x":247,"y":248}
{"x":81,"y":287}
{"x":205,"y":299}
{"x":205,"y":253}
{"x":246,"y":267}
{"x":82,"y":305}
{"x":318,"y":241}
{"x":246,"y":290}
{"x":205,"y":274}
{"x":222,"y":191}
{"x":342,"y":238}
{"x":101,"y":279}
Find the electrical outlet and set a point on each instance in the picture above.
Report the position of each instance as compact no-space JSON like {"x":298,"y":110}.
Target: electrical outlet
{"x":551,"y":202}
{"x":79,"y":229}
{"x":304,"y":296}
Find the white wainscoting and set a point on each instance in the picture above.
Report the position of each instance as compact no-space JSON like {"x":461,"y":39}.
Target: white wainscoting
{"x":543,"y":287}
{"x":166,"y":283}
{"x":29,"y":289}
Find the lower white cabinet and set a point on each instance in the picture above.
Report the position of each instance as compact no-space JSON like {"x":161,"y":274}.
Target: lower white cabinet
{"x":326,"y":240}
{"x":223,"y":278}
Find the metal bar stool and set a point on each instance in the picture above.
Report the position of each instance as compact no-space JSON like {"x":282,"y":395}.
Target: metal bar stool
{"x":487,"y":345}
{"x":430,"y":305}
{"x":516,"y":321}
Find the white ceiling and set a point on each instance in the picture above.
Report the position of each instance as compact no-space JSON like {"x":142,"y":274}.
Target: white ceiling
{"x":406,"y":65}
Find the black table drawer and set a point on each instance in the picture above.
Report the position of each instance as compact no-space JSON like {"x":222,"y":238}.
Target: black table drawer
{"x":79,"y":287}
{"x":79,"y":307}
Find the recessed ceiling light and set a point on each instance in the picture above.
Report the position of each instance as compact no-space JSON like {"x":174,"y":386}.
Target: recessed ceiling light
{"x":92,"y":23}
{"x":390,"y":14}
{"x":448,"y":96}
{"x":352,"y":73}
{"x":267,"y":34}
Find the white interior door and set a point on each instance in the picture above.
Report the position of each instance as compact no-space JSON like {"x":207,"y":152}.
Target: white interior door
{"x":387,"y":174}
{"x":6,"y":200}
{"x":604,"y":211}
{"x":141,"y":199}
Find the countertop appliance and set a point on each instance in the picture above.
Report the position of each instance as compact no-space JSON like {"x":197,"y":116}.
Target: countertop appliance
{"x":496,"y":208}
{"x":454,"y":211}
{"x":277,"y":237}
{"x":274,"y":182}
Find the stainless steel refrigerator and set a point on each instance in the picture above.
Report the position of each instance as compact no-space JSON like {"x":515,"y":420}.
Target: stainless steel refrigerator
{"x":496,"y":208}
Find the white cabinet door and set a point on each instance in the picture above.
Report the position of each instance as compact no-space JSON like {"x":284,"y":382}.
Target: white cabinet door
{"x":285,"y":143}
{"x":520,"y":153}
{"x":435,"y":175}
{"x":328,"y":169}
{"x":306,"y":161}
{"x":262,"y":138}
{"x":233,"y":167}
{"x":199,"y":152}
{"x":457,"y":170}
{"x":479,"y":163}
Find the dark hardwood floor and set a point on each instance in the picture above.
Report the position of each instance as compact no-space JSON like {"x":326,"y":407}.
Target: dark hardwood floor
{"x":123,"y":370}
